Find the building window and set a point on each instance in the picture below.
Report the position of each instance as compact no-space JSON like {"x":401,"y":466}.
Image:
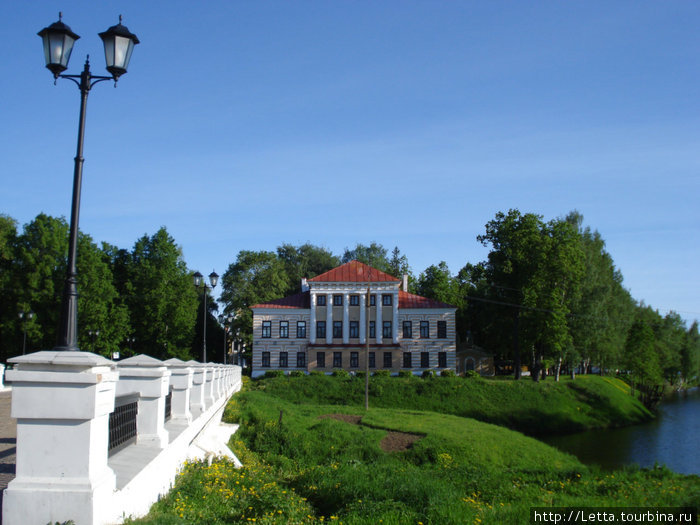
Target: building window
{"x":354,"y":359}
{"x":337,"y":359}
{"x":301,"y":329}
{"x":354,"y":300}
{"x":386,"y":299}
{"x":442,"y":329}
{"x":425,"y":359}
{"x":337,"y":329}
{"x":387,"y":359}
{"x":320,"y":359}
{"x":372,"y":360}
{"x":284,"y":329}
{"x":301,"y":359}
{"x":425,"y":329}
{"x":266,"y":329}
{"x":407,"y":360}
{"x":386,"y":329}
{"x":320,"y":300}
{"x":442,"y":359}
{"x":337,"y":300}
{"x":372,"y":329}
{"x":283,"y":360}
{"x":407,"y":329}
{"x":354,"y":329}
{"x":266,"y":359}
{"x":320,"y":329}
{"x":373,"y":300}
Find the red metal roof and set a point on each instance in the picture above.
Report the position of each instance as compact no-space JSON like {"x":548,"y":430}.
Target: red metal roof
{"x":300,"y":300}
{"x":410,"y":300}
{"x":354,"y":272}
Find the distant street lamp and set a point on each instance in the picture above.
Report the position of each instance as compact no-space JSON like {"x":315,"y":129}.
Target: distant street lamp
{"x":199,"y":282}
{"x":58,"y":42}
{"x":131,"y":340}
{"x":25,"y":316}
{"x":223,"y":319}
{"x":93,"y":335}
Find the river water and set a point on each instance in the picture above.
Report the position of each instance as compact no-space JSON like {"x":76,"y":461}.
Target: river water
{"x":672,"y":439}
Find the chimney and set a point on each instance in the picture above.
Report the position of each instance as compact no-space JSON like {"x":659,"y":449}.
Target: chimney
{"x":304,"y":285}
{"x":404,"y":284}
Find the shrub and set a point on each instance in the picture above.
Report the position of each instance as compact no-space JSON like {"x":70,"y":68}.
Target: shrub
{"x":382,"y":373}
{"x":296,"y":373}
{"x":447,"y":372}
{"x":360,"y":374}
{"x":339,"y":372}
{"x":274,"y":373}
{"x":317,"y":373}
{"x":472,"y":374}
{"x":405,"y":373}
{"x":428,"y":374}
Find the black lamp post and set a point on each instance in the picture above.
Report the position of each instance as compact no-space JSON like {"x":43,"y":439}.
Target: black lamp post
{"x":131,"y":340}
{"x":223,"y":319}
{"x":94,"y":334}
{"x":58,"y":44}
{"x":199,"y":282}
{"x":25,"y":316}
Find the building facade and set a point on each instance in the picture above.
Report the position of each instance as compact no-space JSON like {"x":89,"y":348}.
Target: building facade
{"x":327,"y":326}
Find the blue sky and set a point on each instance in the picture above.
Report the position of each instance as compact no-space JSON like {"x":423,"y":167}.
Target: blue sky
{"x":244,"y":125}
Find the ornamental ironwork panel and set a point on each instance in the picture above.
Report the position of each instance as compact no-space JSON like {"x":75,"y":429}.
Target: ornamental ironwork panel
{"x":122,"y":423}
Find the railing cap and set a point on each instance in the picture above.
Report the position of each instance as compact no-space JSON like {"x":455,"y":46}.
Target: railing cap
{"x":141,"y":360}
{"x":68,"y":359}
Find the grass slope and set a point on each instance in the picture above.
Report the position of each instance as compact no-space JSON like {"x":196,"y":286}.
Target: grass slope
{"x":306,"y":469}
{"x":532,"y":408}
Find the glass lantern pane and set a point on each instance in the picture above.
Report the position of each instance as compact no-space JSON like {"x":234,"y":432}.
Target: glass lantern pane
{"x":121,"y":51}
{"x":56,"y":48}
{"x":109,"y":52}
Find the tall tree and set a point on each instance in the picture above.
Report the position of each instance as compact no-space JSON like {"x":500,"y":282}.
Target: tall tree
{"x":436,"y":282}
{"x":8,"y":314}
{"x":255,"y":277}
{"x":305,"y":261}
{"x":163,"y":302}
{"x":375,"y":255}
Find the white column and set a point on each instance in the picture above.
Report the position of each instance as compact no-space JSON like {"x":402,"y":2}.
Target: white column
{"x":346,"y":318}
{"x":151,"y":379}
{"x":181,"y":383}
{"x":312,"y":319}
{"x":197,"y":403}
{"x":329,"y":319}
{"x":363,"y":319}
{"x":62,"y":402}
{"x":378,"y":323}
{"x":208,"y":385}
{"x":395,"y":321}
{"x":2,"y":374}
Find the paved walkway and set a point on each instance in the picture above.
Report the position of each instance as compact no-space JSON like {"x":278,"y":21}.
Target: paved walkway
{"x":8,"y":442}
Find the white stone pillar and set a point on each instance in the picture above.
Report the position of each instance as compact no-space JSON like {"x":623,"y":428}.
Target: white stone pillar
{"x":208,"y":385}
{"x":181,"y":384}
{"x":150,"y":378}
{"x":378,"y":322}
{"x":346,"y":318}
{"x":312,"y":319}
{"x":363,"y":318}
{"x":329,"y":319}
{"x":62,"y":402}
{"x":197,"y":403}
{"x":395,"y":318}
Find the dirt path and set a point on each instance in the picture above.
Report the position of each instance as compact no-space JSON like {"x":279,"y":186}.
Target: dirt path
{"x":392,"y":442}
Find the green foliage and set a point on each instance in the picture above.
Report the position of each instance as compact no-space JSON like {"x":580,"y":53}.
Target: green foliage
{"x":405,"y":373}
{"x":472,"y":374}
{"x":382,"y":373}
{"x":274,"y":373}
{"x":341,"y":373}
{"x":316,"y":373}
{"x":316,"y":469}
{"x":428,"y":374}
{"x":447,"y":372}
{"x":437,"y":283}
{"x":641,"y":359}
{"x":296,"y":373}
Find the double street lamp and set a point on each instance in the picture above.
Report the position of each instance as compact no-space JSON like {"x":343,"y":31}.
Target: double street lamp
{"x":58,"y":42}
{"x":25,"y":316}
{"x":200,"y":283}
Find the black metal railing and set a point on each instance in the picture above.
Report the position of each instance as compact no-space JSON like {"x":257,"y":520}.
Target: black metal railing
{"x":169,"y":405}
{"x":122,"y":422}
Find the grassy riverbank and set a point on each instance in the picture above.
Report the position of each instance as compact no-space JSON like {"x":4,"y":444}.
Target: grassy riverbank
{"x":547,"y":407}
{"x":334,"y":462}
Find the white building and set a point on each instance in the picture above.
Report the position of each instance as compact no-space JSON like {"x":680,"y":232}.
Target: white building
{"x":326,"y":326}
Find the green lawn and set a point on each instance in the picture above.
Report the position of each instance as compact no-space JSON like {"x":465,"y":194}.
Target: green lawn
{"x":309,"y":469}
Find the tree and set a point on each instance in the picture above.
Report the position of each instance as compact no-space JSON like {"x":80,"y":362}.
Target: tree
{"x":255,"y":277}
{"x":375,"y":255}
{"x":690,"y":356}
{"x":163,"y":301}
{"x":305,"y":261}
{"x":8,"y":319}
{"x":436,"y":282}
{"x":642,"y":361}
{"x":398,"y":267}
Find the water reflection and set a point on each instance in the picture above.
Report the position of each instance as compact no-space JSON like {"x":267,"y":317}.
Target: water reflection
{"x":673,"y":439}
